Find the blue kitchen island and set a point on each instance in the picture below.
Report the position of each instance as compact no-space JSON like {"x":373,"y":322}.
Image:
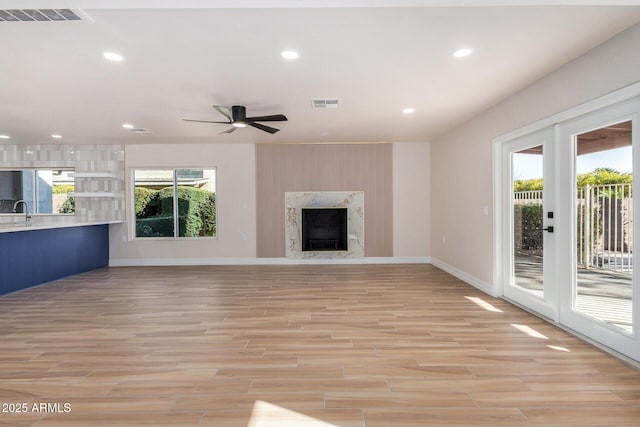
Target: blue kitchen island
{"x":38,"y":254}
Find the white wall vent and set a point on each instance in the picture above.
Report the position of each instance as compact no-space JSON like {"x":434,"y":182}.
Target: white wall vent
{"x":42,"y":15}
{"x":324,"y":103}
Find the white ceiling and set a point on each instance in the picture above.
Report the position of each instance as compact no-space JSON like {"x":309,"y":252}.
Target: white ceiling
{"x":376,"y":60}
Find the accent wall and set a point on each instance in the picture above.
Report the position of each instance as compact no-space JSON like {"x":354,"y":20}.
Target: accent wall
{"x":324,"y":167}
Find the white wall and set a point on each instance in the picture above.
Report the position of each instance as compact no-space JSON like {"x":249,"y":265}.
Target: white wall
{"x":461,"y":161}
{"x":235,"y":197}
{"x":411,"y":210}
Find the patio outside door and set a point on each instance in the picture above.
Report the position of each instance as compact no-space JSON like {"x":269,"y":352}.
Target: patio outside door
{"x":529,"y":221}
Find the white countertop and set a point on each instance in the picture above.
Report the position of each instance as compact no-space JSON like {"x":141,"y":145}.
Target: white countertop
{"x":17,"y":226}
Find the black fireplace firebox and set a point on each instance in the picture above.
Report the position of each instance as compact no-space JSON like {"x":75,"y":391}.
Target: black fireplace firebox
{"x":324,"y":229}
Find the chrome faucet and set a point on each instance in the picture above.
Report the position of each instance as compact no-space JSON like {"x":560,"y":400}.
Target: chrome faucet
{"x":27,"y":217}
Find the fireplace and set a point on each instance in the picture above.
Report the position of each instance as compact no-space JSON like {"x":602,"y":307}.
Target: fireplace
{"x":307,"y":215}
{"x":324,"y":229}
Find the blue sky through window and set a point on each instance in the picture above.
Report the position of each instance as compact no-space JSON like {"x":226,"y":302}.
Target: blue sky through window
{"x":529,"y":166}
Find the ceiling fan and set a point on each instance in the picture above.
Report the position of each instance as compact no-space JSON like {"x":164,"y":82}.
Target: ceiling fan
{"x":237,"y":116}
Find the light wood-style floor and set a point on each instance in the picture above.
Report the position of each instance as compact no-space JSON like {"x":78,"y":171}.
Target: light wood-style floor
{"x":372,"y":345}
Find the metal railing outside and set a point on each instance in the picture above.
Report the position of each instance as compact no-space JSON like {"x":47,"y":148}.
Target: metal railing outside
{"x":604,"y":225}
{"x":532,"y":197}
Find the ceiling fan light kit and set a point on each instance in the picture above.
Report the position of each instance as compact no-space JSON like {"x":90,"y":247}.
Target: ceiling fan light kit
{"x":237,"y":116}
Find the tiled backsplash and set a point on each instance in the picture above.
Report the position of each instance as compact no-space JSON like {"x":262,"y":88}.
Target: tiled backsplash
{"x":84,"y":159}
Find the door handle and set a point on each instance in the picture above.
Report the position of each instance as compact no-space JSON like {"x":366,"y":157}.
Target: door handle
{"x":549,"y":229}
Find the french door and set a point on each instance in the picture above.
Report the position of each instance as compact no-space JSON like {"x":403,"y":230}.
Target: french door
{"x":529,"y":222}
{"x":599,"y":290}
{"x":567,"y":210}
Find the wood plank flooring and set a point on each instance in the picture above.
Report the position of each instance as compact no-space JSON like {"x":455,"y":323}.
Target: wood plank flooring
{"x":303,"y":346}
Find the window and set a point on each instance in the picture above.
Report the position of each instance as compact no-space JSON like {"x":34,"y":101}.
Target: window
{"x":175,"y":202}
{"x":44,"y":191}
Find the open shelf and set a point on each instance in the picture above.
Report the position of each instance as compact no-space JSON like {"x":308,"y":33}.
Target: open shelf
{"x":93,"y":194}
{"x":94,"y":175}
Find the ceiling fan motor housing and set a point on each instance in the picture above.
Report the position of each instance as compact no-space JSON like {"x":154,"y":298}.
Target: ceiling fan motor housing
{"x":239,"y":113}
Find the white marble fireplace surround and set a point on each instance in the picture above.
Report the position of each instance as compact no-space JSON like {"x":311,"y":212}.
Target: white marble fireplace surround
{"x":352,"y":200}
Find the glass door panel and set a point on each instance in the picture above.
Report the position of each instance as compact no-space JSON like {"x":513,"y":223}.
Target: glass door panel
{"x":604,"y":225}
{"x":599,"y":293}
{"x":528,"y":240}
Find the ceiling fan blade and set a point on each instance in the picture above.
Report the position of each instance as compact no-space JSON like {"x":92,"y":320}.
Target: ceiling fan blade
{"x":204,"y":121}
{"x":272,"y":118}
{"x":228,"y":130}
{"x":263,"y":127}
{"x":224,"y":111}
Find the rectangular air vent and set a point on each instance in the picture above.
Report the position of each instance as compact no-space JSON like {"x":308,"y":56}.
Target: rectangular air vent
{"x":324,"y":103}
{"x":43,"y":15}
{"x":140,"y":130}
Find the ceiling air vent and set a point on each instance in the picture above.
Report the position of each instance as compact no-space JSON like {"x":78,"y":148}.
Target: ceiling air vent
{"x":140,"y":130}
{"x":27,"y":15}
{"x":324,"y":103}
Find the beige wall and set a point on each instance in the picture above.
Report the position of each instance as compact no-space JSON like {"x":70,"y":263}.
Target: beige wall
{"x":324,"y":167}
{"x":235,"y":164}
{"x":395,"y":178}
{"x":411,"y":194}
{"x":461,"y":161}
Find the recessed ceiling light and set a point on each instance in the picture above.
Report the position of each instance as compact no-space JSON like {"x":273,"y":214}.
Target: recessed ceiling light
{"x":56,"y":136}
{"x":127,"y":126}
{"x":112,"y":56}
{"x":461,"y":53}
{"x":290,"y":54}
{"x":5,"y":137}
{"x":408,"y":110}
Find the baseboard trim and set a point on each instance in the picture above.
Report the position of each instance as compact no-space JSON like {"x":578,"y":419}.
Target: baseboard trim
{"x":157,"y":262}
{"x":485,"y":287}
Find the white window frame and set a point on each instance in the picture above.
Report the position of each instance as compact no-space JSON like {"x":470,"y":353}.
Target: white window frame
{"x":132,"y":210}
